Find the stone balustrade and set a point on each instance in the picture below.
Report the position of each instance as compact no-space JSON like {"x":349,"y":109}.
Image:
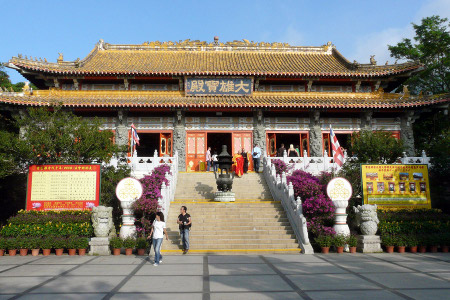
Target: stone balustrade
{"x":285,"y":193}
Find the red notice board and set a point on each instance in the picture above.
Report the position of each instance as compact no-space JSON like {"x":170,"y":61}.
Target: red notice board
{"x":63,"y":187}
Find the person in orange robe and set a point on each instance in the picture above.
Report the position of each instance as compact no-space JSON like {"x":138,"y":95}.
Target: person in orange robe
{"x":239,"y":165}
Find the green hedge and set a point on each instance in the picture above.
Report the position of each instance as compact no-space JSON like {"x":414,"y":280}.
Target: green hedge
{"x":49,"y":223}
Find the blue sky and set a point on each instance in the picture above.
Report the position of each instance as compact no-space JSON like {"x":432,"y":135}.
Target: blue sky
{"x":357,"y":28}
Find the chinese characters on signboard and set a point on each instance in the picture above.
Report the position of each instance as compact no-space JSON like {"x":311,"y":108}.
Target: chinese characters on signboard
{"x":218,"y":86}
{"x":396,"y":185}
{"x":63,"y":187}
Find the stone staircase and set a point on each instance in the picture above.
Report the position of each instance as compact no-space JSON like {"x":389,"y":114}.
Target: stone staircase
{"x":254,"y":223}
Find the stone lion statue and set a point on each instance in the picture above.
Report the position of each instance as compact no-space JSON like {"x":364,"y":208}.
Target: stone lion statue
{"x":102,"y":221}
{"x":366,"y":218}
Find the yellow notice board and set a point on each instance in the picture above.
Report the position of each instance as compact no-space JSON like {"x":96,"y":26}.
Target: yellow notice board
{"x":396,"y":185}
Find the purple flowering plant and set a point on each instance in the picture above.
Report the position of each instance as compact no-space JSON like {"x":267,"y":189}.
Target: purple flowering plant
{"x":281,"y":166}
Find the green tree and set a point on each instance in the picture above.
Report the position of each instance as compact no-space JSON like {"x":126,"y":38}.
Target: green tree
{"x":431,"y":47}
{"x":5,"y":82}
{"x":54,"y":136}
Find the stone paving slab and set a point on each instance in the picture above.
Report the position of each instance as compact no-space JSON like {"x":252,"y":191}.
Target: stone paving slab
{"x":280,"y":258}
{"x":102,"y":270}
{"x":355,"y":295}
{"x":308,"y":268}
{"x":77,"y":296}
{"x":407,"y":280}
{"x":6,"y":267}
{"x":73,"y":284}
{"x":171,"y":269}
{"x":160,"y":284}
{"x":36,"y":270}
{"x":428,"y":294}
{"x":12,"y":260}
{"x":372,"y":267}
{"x":235,"y":259}
{"x":247,"y":283}
{"x":160,"y":296}
{"x":256,"y":296}
{"x":334,"y":282}
{"x":61,"y":260}
{"x":240,"y":269}
{"x":426,"y":266}
{"x":10,"y":285}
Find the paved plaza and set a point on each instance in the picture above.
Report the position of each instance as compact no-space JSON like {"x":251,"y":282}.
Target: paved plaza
{"x":272,"y":276}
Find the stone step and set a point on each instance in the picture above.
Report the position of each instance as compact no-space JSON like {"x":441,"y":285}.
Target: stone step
{"x":259,"y":245}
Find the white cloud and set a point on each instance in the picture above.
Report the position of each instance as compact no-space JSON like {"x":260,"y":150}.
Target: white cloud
{"x":376,"y":43}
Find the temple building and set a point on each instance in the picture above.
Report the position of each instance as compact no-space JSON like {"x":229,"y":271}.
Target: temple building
{"x":190,"y":95}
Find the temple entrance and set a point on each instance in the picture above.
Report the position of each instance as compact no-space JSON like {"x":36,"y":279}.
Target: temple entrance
{"x":151,"y":141}
{"x":298,"y":139}
{"x":344,"y":139}
{"x":199,"y":141}
{"x":217,"y":139}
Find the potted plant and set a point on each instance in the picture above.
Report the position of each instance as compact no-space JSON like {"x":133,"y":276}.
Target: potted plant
{"x":434,"y":242}
{"x":388,"y":242}
{"x":141,"y":245}
{"x":352,"y":241}
{"x":400,"y":242}
{"x":325,"y":242}
{"x":59,"y":244}
{"x":11,"y":245}
{"x":82,"y":244}
{"x":2,"y":246}
{"x":23,"y":245}
{"x":412,"y":243}
{"x":422,"y":244}
{"x":445,"y":242}
{"x":129,"y":243}
{"x":34,"y":244}
{"x":116,"y":244}
{"x":339,"y":241}
{"x":72,"y":245}
{"x":46,"y":245}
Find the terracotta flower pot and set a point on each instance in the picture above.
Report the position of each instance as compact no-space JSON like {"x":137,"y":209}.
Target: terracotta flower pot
{"x":59,"y":252}
{"x":128,"y":251}
{"x":390,"y":249}
{"x":422,"y":249}
{"x":352,"y":249}
{"x":413,"y":249}
{"x":116,"y":251}
{"x":12,"y":252}
{"x":141,"y":252}
{"x":444,"y":249}
{"x":23,"y":252}
{"x":2,"y":252}
{"x":340,"y":249}
{"x":401,"y":249}
{"x":35,"y":252}
{"x":433,"y":249}
{"x":46,"y":252}
{"x":72,"y":251}
{"x":325,"y":250}
{"x":82,"y":252}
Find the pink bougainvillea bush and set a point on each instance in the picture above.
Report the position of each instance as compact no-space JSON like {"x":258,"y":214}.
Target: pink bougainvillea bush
{"x":280,"y":166}
{"x":146,"y":207}
{"x":318,"y":209}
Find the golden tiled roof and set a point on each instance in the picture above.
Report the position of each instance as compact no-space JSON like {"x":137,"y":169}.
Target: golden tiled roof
{"x":258,"y":99}
{"x":201,"y":58}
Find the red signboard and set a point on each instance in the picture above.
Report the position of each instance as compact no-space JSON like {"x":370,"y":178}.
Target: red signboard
{"x":63,"y":187}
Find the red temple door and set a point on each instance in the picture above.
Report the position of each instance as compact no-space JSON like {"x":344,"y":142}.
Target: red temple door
{"x":272,"y":144}
{"x":242,"y":140}
{"x":196,"y":150}
{"x":165,"y":144}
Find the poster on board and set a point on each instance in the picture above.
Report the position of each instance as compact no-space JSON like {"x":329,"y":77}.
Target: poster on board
{"x":396,"y":186}
{"x":63,"y":187}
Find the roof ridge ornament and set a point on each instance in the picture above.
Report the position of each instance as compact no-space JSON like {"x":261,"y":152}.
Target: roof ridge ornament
{"x":101,"y":44}
{"x":372,"y":60}
{"x":60,"y":58}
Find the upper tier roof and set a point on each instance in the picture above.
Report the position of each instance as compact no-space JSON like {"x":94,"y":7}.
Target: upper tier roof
{"x":201,"y":58}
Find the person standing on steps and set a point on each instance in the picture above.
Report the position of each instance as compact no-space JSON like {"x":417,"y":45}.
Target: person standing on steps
{"x":184,"y":222}
{"x":208,"y":159}
{"x":256,"y":153}
{"x":158,"y":231}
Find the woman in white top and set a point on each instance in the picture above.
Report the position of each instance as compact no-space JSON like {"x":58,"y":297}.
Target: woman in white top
{"x":158,"y":231}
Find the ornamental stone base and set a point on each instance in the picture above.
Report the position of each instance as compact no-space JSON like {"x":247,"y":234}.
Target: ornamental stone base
{"x":99,"y":246}
{"x":369,"y":244}
{"x":224,"y":197}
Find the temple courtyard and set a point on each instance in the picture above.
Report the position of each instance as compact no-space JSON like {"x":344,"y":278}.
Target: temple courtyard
{"x":267,"y":276}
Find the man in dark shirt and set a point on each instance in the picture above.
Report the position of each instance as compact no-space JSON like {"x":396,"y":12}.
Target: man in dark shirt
{"x":184,"y":223}
{"x":281,"y":150}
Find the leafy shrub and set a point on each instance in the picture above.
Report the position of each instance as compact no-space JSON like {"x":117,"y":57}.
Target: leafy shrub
{"x":82,"y":243}
{"x":46,"y":242}
{"x":318,"y":209}
{"x":387,"y":240}
{"x":352,"y":241}
{"x":12,"y":244}
{"x":400,"y":240}
{"x":141,"y":243}
{"x":324,"y":240}
{"x":72,"y":242}
{"x":2,"y":243}
{"x":34,"y":243}
{"x":59,"y":243}
{"x":339,"y":240}
{"x":411,"y":240}
{"x":116,"y":242}
{"x":129,"y":242}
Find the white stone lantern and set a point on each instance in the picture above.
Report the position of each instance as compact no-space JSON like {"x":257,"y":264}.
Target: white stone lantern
{"x":128,"y":190}
{"x":339,"y":190}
